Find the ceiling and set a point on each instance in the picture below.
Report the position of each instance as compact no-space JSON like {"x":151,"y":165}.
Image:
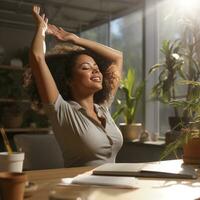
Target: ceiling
{"x":72,"y":15}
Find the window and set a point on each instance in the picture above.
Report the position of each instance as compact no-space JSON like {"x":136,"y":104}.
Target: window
{"x":98,"y":34}
{"x":169,"y":27}
{"x":166,"y":17}
{"x":127,"y":35}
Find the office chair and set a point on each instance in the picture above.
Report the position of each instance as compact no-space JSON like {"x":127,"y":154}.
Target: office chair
{"x":41,"y":151}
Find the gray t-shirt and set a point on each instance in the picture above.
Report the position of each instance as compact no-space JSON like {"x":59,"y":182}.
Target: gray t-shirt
{"x":83,"y":141}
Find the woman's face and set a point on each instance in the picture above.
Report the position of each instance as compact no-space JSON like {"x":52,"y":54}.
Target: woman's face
{"x":86,"y":77}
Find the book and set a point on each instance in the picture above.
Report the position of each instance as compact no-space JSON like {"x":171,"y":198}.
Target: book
{"x":162,"y":169}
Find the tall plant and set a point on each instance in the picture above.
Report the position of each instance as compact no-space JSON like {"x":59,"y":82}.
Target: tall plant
{"x":132,"y":92}
{"x":189,"y":52}
{"x":181,"y":66}
{"x":172,"y":67}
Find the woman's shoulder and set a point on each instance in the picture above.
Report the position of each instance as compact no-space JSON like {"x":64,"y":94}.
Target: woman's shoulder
{"x":58,"y":104}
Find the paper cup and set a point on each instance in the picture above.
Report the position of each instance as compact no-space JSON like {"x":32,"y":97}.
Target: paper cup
{"x":12,"y":162}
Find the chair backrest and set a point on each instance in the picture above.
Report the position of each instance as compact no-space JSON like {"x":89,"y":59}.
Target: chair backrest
{"x":41,"y":151}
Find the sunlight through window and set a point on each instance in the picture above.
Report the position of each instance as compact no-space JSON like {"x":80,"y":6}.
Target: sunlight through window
{"x":187,"y":6}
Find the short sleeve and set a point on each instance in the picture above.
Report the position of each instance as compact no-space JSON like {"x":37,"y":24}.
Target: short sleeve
{"x":57,"y":111}
{"x":53,"y":107}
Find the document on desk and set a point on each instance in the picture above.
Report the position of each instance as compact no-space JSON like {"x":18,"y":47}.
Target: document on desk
{"x":89,"y":179}
{"x":161,"y":169}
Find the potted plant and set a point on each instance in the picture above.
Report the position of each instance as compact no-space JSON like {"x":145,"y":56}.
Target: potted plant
{"x":181,"y":64}
{"x":188,"y":104}
{"x":189,"y":138}
{"x":189,"y":142}
{"x":165,"y":90}
{"x":127,"y":104}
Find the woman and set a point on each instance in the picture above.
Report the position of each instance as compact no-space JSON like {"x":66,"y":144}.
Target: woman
{"x":83,"y":126}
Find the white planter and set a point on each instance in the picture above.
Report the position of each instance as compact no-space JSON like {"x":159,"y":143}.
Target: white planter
{"x":12,"y":162}
{"x":131,"y":131}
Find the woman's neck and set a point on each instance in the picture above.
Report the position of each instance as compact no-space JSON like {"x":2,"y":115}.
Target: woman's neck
{"x":86,"y":102}
{"x":88,"y":105}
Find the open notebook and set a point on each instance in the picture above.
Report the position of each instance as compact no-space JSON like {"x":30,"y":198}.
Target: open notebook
{"x":161,"y":169}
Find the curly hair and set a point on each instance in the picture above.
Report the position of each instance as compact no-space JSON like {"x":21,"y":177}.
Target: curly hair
{"x":61,"y":65}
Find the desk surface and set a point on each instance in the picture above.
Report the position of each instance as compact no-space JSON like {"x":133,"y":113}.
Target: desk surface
{"x":162,"y":189}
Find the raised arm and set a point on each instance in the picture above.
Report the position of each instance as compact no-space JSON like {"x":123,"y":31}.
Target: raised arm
{"x":45,"y":83}
{"x":115,"y":57}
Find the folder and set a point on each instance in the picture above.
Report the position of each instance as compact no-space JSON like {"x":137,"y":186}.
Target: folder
{"x":161,"y":169}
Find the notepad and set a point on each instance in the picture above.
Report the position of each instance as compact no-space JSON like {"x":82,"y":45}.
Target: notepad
{"x":154,"y":170}
{"x":114,"y":181}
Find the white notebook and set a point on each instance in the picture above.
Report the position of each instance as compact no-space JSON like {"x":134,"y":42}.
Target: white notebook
{"x":114,"y":181}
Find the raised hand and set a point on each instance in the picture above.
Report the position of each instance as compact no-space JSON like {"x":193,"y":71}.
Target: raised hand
{"x":41,"y":20}
{"x":61,"y":34}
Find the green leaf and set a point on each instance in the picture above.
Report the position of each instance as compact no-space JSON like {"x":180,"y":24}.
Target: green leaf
{"x":182,"y":73}
{"x":154,"y":68}
{"x":173,"y":146}
{"x":165,"y":47}
{"x":132,"y":93}
{"x":116,"y":114}
{"x":188,"y":82}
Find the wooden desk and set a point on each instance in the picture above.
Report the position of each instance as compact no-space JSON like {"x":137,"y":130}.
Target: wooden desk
{"x":151,"y":189}
{"x":47,"y":179}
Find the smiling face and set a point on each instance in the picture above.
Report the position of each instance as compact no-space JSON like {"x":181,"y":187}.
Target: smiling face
{"x":86,"y":79}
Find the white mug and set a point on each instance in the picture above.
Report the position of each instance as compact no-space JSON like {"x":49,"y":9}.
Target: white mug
{"x":11,"y":162}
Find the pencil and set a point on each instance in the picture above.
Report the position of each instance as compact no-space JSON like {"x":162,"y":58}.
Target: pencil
{"x":6,"y":142}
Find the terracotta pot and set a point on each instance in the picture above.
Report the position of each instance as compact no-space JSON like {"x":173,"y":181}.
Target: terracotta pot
{"x":131,"y":131}
{"x":191,"y":151}
{"x":12,"y":185}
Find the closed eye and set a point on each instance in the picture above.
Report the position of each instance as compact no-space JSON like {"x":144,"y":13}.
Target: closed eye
{"x":86,"y":66}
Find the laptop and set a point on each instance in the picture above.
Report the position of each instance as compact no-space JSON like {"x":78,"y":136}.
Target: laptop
{"x":162,"y":169}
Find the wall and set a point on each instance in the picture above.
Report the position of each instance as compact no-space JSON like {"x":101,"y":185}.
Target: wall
{"x":12,"y":40}
{"x":135,"y":152}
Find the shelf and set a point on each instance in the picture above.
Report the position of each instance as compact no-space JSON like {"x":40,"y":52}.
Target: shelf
{"x":158,"y":142}
{"x":10,"y":67}
{"x":8,"y":100}
{"x":27,"y":130}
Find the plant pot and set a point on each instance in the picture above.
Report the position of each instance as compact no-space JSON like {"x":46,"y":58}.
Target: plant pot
{"x":12,"y":185}
{"x":177,"y":123}
{"x":131,"y":131}
{"x":191,"y":151}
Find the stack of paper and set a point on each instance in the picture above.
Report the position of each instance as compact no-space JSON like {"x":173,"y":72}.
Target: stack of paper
{"x":114,"y":181}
